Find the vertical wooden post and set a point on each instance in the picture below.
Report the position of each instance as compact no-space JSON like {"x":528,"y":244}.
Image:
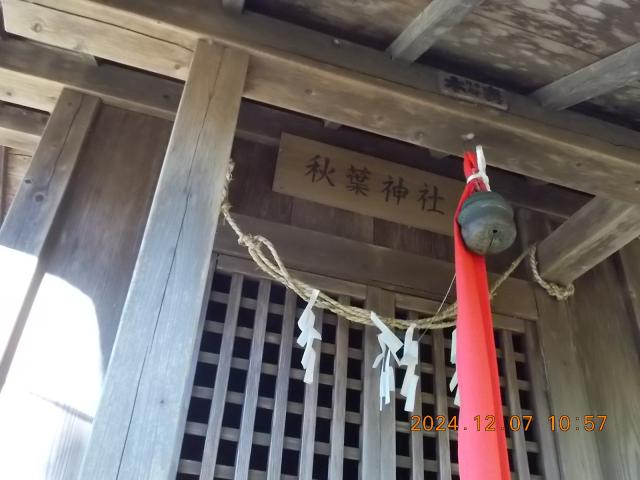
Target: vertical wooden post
{"x":250,"y":403}
{"x":577,"y":450}
{"x":442,"y":408}
{"x":630,"y":258}
{"x":308,"y":435}
{"x":140,"y":421}
{"x":416,"y":440}
{"x":339,"y":398}
{"x":274,"y":462}
{"x":214,"y":426}
{"x":378,"y":457}
{"x":25,"y":230}
{"x":3,"y":182}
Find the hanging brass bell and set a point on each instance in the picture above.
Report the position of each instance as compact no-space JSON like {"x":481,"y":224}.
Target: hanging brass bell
{"x":486,"y":223}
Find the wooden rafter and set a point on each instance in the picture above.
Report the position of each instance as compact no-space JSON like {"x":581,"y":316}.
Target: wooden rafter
{"x":433,"y":22}
{"x":595,"y":232}
{"x":603,"y":76}
{"x":298,"y":69}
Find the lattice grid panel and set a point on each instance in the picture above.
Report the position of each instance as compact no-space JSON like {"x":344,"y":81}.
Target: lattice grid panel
{"x":289,"y":431}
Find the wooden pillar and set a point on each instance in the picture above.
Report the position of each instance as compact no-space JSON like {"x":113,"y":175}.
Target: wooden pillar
{"x":378,"y":456}
{"x":139,"y":425}
{"x":25,"y":231}
{"x":577,"y":450}
{"x":604,"y":331}
{"x":630,"y":257}
{"x":3,"y":181}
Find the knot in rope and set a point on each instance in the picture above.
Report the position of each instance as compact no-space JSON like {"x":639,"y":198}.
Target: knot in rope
{"x":559,"y":292}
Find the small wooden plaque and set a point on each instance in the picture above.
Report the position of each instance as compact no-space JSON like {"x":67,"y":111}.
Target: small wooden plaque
{"x":367,"y":185}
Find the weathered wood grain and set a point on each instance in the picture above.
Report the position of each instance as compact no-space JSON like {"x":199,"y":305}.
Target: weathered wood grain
{"x":27,"y":226}
{"x":250,"y":191}
{"x":335,"y":221}
{"x":383,"y":303}
{"x":425,"y":29}
{"x":365,"y":184}
{"x":577,"y":450}
{"x":604,"y":76}
{"x":138,"y":432}
{"x":593,"y":233}
{"x":630,"y":258}
{"x":20,"y":128}
{"x":214,"y":427}
{"x":540,"y":397}
{"x":335,"y":286}
{"x":369,"y":264}
{"x":33,"y":75}
{"x":247,"y":420}
{"x":440,"y":390}
{"x":4,"y":159}
{"x":274,"y":461}
{"x":233,"y":6}
{"x":55,"y":380}
{"x":290,"y":71}
{"x":513,"y":402}
{"x":264,"y":125}
{"x":309,"y":413}
{"x":339,"y":399}
{"x":416,"y":438}
{"x":370,"y":403}
{"x":606,"y":345}
{"x":16,"y":168}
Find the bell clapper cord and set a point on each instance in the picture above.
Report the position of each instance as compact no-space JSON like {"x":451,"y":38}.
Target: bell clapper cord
{"x":271,"y":264}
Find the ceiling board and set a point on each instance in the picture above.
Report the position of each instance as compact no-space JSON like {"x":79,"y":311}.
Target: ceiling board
{"x":520,"y":45}
{"x":599,"y":27}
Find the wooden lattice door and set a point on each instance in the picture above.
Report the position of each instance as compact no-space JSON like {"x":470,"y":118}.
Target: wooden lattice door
{"x":251,"y":415}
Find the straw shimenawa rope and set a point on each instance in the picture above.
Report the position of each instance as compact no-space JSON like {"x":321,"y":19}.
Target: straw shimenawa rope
{"x":272,"y":265}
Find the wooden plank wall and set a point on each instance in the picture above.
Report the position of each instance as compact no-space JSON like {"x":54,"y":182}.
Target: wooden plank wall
{"x":17,"y":163}
{"x":605,"y":334}
{"x":590,"y":347}
{"x":54,"y":384}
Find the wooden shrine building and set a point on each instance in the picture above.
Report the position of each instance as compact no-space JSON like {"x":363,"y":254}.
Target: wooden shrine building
{"x":140,"y":340}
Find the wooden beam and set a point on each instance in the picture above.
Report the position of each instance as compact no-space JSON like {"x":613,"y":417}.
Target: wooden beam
{"x":20,"y":128}
{"x":33,"y":76}
{"x":138,"y":431}
{"x":233,"y":6}
{"x":431,"y":24}
{"x":596,"y":231}
{"x":604,"y":76}
{"x":306,"y":71}
{"x":264,"y":125}
{"x":369,"y":264}
{"x":25,"y":230}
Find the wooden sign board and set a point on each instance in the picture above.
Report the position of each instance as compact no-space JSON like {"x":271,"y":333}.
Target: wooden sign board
{"x":367,"y":185}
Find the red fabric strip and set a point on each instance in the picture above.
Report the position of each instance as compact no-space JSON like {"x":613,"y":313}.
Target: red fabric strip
{"x":482,"y":455}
